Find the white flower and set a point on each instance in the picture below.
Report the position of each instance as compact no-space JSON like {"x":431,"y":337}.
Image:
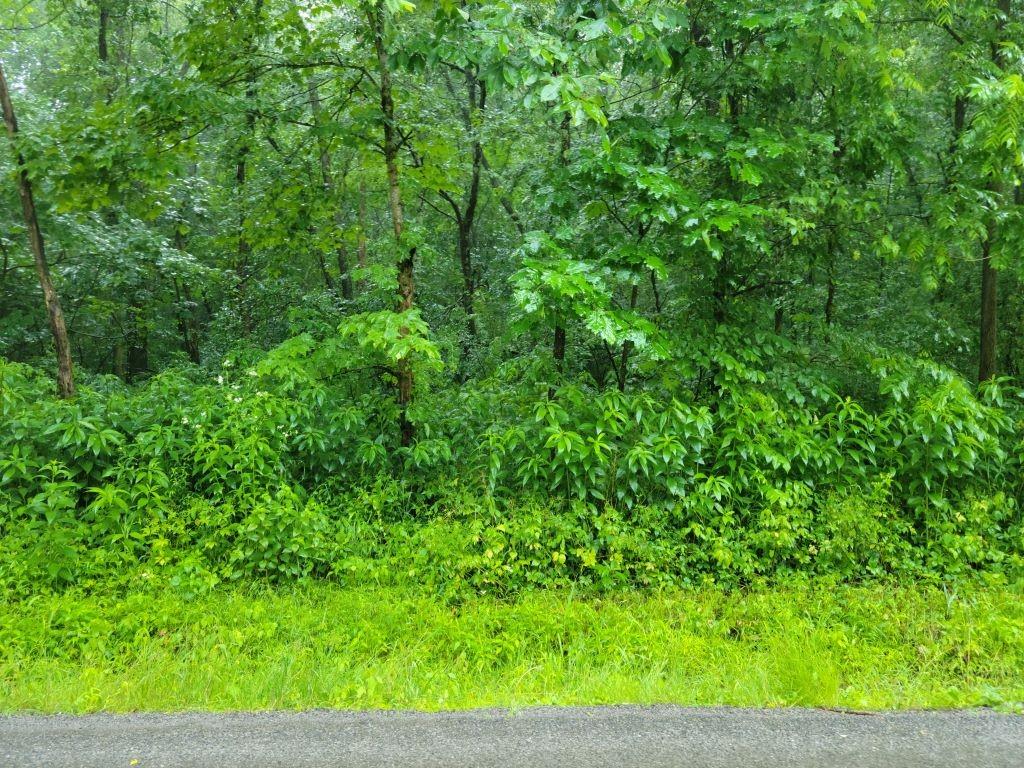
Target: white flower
{"x":251,"y":372}
{"x":220,"y":379}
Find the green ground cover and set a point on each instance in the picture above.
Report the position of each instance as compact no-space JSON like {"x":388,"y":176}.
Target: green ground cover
{"x":321,"y":645}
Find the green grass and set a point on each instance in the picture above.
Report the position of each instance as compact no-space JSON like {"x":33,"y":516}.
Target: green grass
{"x":324,"y":646}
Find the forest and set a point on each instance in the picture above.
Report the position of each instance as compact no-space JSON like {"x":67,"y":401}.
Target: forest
{"x":484,"y":296}
{"x":447,"y":353}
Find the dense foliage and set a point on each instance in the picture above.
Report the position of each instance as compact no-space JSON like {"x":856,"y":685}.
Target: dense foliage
{"x":264,"y":476}
{"x":491,"y":295}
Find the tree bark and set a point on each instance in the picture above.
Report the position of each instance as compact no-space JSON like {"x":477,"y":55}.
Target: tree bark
{"x":465,"y":212}
{"x":830,"y":303}
{"x":104,"y":26}
{"x":987,"y":352}
{"x":627,"y":346}
{"x":138,"y":343}
{"x":558,"y":345}
{"x":65,"y":371}
{"x":327,"y":177}
{"x":477,"y":96}
{"x":243,"y":268}
{"x":987,"y":366}
{"x":830,"y":287}
{"x":406,"y":285}
{"x":186,"y":321}
{"x":244,"y":248}
{"x":361,"y":213}
{"x":188,"y":328}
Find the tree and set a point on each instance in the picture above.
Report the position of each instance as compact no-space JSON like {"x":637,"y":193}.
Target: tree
{"x":987,"y":359}
{"x":377,"y":16}
{"x":65,"y":371}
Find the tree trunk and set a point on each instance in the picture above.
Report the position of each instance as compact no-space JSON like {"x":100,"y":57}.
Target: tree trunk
{"x":101,"y":42}
{"x":243,"y":267}
{"x":721,"y":290}
{"x":406,"y":286}
{"x":830,"y":300}
{"x":558,"y":346}
{"x":65,"y":372}
{"x":4,"y":271}
{"x":989,"y":289}
{"x":361,"y":240}
{"x":186,"y":308}
{"x":244,"y":249}
{"x":119,"y":363}
{"x":327,"y":177}
{"x":186,"y":320}
{"x":477,"y":96}
{"x":465,"y":212}
{"x":468,"y":282}
{"x":627,"y":346}
{"x":138,"y":344}
{"x":987,"y":360}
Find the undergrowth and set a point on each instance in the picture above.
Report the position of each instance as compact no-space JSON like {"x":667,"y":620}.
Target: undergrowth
{"x":319,"y":645}
{"x":277,"y":469}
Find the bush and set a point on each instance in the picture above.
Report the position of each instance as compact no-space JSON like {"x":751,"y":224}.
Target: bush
{"x":280,"y":470}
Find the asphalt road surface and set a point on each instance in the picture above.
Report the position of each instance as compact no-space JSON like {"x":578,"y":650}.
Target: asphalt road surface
{"x":645,"y":737}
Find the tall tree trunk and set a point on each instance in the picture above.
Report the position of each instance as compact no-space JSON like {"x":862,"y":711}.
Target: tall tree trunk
{"x":989,"y":296}
{"x":465,"y":212}
{"x":324,"y":271}
{"x":104,"y":26}
{"x":243,"y":266}
{"x":138,"y":343}
{"x":119,"y":364}
{"x":361,"y":213}
{"x":465,"y":249}
{"x":244,"y":248}
{"x":830,"y":300}
{"x":186,"y":322}
{"x":327,"y":175}
{"x":558,"y":344}
{"x":4,"y":270}
{"x":477,"y":96}
{"x":987,"y":360}
{"x":627,"y":346}
{"x":65,"y":372}
{"x":188,"y":328}
{"x":830,"y":283}
{"x":406,"y":286}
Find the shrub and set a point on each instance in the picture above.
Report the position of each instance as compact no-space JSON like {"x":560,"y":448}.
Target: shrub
{"x":280,"y":469}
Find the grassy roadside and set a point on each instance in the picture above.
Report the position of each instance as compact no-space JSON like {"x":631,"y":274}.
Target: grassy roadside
{"x":320,"y":645}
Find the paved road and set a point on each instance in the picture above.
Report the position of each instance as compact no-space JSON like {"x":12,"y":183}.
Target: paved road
{"x":647,"y":737}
